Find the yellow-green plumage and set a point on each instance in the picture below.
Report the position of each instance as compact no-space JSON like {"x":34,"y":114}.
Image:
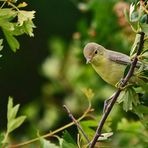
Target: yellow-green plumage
{"x":110,"y":65}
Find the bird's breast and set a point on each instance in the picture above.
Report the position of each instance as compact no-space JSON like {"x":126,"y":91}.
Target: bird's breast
{"x":109,"y":71}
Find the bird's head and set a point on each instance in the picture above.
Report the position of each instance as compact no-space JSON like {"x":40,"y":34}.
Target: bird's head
{"x":92,"y":52}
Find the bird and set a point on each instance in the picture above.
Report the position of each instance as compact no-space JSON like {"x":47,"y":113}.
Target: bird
{"x":110,"y":65}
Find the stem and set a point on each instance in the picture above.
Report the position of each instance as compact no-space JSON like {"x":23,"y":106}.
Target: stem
{"x":117,"y":93}
{"x":52,"y":133}
{"x":76,"y":123}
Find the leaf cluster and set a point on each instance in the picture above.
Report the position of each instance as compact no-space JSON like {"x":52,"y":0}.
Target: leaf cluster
{"x":15,"y":22}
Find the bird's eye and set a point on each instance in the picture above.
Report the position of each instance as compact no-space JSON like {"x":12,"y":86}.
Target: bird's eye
{"x":96,"y":52}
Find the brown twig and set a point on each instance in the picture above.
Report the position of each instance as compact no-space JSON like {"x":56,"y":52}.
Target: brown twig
{"x":76,"y":123}
{"x":117,"y":93}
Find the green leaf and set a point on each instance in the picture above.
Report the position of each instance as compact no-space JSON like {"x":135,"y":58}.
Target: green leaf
{"x":25,"y":16}
{"x":144,"y":28}
{"x":143,"y":18}
{"x":88,"y":126}
{"x":67,"y":141}
{"x":12,"y":113}
{"x":47,"y":144}
{"x":105,"y":136}
{"x":140,"y":110}
{"x":15,"y":123}
{"x":7,"y":14}
{"x":12,"y":41}
{"x":129,"y":98}
{"x":135,"y":45}
{"x":7,"y":25}
{"x":127,"y":101}
{"x":25,"y":20}
{"x":28,"y":27}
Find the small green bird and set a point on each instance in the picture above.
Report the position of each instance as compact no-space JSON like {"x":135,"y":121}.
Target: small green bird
{"x":110,"y":65}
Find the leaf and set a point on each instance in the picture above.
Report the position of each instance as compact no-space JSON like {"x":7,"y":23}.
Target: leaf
{"x":24,"y":16}
{"x":7,"y":25}
{"x":88,"y":126}
{"x":12,"y":41}
{"x":127,"y":102}
{"x":105,"y":136}
{"x":88,"y":93}
{"x":12,"y":111}
{"x":144,"y":28}
{"x":15,"y":123}
{"x":7,"y":14}
{"x":141,"y":110}
{"x":47,"y":144}
{"x":28,"y":28}
{"x":135,"y":45}
{"x":129,"y":98}
{"x":67,"y":141}
{"x":21,"y":5}
{"x":25,"y":20}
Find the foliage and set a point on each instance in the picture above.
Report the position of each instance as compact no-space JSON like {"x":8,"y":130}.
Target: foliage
{"x":15,"y":22}
{"x":70,"y":81}
{"x":13,"y":122}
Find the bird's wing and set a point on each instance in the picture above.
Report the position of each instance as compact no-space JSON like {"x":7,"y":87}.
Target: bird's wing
{"x":119,"y":57}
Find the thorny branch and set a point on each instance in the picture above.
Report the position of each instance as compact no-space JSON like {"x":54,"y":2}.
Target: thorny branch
{"x":117,"y":93}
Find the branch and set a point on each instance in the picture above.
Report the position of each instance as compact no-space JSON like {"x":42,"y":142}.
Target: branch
{"x":76,"y":123}
{"x":117,"y":93}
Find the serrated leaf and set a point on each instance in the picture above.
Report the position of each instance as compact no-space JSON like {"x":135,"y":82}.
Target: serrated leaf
{"x":47,"y":144}
{"x":28,"y":27}
{"x":129,"y":98}
{"x":120,"y":99}
{"x":24,"y":16}
{"x":13,"y":112}
{"x":12,"y":41}
{"x":88,"y":93}
{"x":15,"y":123}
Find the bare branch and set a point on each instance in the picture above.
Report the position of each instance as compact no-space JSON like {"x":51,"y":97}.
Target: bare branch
{"x":76,"y":123}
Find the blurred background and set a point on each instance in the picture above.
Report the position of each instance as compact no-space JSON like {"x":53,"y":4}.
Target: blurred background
{"x":49,"y":70}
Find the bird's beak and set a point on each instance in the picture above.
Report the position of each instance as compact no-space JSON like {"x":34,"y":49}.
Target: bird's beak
{"x":88,"y":60}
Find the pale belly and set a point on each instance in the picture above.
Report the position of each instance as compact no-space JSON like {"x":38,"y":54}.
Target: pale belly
{"x":111,"y":73}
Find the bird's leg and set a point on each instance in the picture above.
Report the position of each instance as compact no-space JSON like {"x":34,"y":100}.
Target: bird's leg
{"x":119,"y":85}
{"x":106,"y":103}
